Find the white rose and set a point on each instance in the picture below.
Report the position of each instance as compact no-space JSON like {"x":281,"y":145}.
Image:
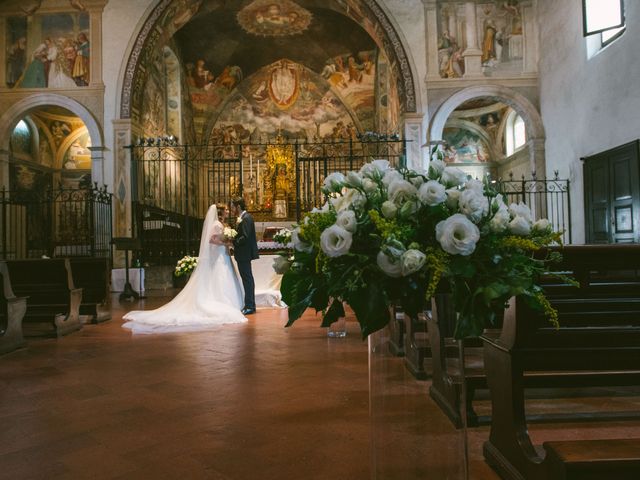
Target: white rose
{"x":521,"y":210}
{"x":401,"y":191}
{"x":354,"y":179}
{"x":520,"y":226}
{"x":334,"y":182}
{"x":457,"y":235}
{"x":347,"y":220}
{"x":412,"y":261}
{"x":452,"y":177}
{"x":281,"y":265}
{"x":453,"y":196}
{"x":369,"y":185}
{"x":436,"y":167}
{"x":352,"y":198}
{"x":473,"y":204}
{"x":542,"y":225}
{"x":335,"y":241}
{"x":500,"y":220}
{"x":389,"y":209}
{"x":298,"y":243}
{"x":391,"y":176}
{"x":388,"y":265}
{"x":432,"y":193}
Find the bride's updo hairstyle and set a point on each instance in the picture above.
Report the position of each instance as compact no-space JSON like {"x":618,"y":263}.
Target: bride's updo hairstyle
{"x":222,"y":210}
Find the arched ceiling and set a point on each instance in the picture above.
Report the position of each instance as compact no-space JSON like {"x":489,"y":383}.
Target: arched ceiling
{"x":216,"y":36}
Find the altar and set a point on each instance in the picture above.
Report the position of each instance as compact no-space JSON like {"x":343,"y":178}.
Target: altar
{"x":267,"y":282}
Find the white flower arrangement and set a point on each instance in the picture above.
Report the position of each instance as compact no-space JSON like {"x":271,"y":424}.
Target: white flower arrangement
{"x":229,"y":233}
{"x":186,"y":265}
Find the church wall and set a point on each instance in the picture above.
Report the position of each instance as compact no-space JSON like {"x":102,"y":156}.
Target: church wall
{"x":587,"y":105}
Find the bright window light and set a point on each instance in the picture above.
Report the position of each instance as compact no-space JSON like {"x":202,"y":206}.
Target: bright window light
{"x":601,"y":15}
{"x":610,"y":34}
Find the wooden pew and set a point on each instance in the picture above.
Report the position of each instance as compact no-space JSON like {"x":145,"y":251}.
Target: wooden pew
{"x":12,"y":310}
{"x":417,"y":352}
{"x":598,"y":343}
{"x":601,"y":277}
{"x":396,"y":333}
{"x":53,"y":299}
{"x":93,"y":276}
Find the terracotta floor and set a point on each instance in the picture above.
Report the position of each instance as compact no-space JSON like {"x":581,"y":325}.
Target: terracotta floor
{"x":253,"y":401}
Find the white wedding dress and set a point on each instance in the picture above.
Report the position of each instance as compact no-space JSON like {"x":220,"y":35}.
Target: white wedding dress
{"x":212,"y":297}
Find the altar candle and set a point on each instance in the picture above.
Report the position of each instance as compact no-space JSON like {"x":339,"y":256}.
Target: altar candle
{"x":258,"y":180}
{"x":251,"y":164}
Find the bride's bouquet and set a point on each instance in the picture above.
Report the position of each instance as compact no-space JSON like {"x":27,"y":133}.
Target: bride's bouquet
{"x":229,"y":234}
{"x":186,"y":265}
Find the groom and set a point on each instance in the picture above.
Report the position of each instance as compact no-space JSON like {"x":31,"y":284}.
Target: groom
{"x":245,"y":249}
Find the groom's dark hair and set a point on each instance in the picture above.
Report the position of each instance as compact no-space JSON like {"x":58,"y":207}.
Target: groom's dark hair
{"x":239,"y":202}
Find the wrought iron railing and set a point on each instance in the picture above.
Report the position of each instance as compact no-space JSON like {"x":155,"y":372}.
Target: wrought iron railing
{"x":174,"y":185}
{"x":56,"y":223}
{"x":547,"y":198}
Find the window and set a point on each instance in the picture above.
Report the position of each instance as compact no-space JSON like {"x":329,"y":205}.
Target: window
{"x":603,"y":22}
{"x":515,"y":134}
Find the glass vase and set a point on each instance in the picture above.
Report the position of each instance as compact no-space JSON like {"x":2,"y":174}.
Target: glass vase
{"x":338,"y":329}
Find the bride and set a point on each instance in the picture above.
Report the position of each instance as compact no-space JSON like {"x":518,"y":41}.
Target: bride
{"x":212,"y":297}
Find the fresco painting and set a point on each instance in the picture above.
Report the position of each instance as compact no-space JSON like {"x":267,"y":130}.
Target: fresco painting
{"x":49,"y":51}
{"x":464,"y":146}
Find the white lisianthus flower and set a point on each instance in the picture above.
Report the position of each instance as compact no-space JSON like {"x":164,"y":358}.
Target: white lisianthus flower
{"x":389,"y":265}
{"x":436,"y":167}
{"x":391,"y":176}
{"x":298,"y":243}
{"x":452,"y":177}
{"x":335,"y":241}
{"x":457,"y":235}
{"x":354,"y":179}
{"x":347,"y":220}
{"x":389,"y":209}
{"x":409,"y":208}
{"x":412,"y":261}
{"x":352,"y":199}
{"x":369,"y":185}
{"x":376,"y":169}
{"x":281,"y":265}
{"x":417,"y":181}
{"x":520,"y":226}
{"x":542,"y":225}
{"x":401,"y":191}
{"x":432,"y":193}
{"x":334,"y":182}
{"x":499,"y":201}
{"x":476,"y":185}
{"x":473,"y":204}
{"x":500,"y":220}
{"x":521,"y":210}
{"x":453,"y":196}
{"x":336,"y":202}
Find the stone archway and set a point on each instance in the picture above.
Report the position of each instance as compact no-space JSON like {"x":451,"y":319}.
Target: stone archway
{"x":12,"y":116}
{"x":508,"y":96}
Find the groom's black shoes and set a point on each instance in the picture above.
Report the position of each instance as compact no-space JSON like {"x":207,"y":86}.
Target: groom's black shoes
{"x":248,"y":311}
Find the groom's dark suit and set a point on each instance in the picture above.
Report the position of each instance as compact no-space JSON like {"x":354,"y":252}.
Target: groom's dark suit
{"x":246,"y":249}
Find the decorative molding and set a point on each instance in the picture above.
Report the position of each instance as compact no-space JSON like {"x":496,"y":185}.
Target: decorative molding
{"x":437,"y":82}
{"x":145,"y":39}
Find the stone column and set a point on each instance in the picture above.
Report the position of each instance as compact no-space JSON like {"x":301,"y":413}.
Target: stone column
{"x":431,"y":35}
{"x":530,"y":38}
{"x":414,"y":134}
{"x":4,"y":169}
{"x":472,"y":55}
{"x":122,"y":211}
{"x":95,"y":34}
{"x":3,"y":52}
{"x":537,"y":157}
{"x":97,"y":165}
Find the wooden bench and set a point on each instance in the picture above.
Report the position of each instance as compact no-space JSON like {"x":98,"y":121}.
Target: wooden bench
{"x":598,"y":343}
{"x":610,"y":283}
{"x":92,"y":275}
{"x":417,"y":352}
{"x":396,"y":333}
{"x":53,"y":299}
{"x":12,"y":310}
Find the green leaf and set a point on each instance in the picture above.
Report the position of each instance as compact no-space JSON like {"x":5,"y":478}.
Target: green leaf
{"x":296,"y":310}
{"x":370,"y":308}
{"x":334,"y":313}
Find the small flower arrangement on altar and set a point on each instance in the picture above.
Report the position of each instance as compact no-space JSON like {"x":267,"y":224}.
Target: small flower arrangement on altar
{"x":186,"y":265}
{"x":391,"y":236}
{"x":283,"y":237}
{"x":229,"y":234}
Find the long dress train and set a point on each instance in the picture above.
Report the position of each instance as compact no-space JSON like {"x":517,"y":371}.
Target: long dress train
{"x":212,"y":297}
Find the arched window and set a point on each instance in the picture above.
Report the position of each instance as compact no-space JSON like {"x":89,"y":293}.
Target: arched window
{"x":515,"y":133}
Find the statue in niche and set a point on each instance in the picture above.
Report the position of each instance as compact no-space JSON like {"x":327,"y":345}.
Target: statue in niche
{"x":279,"y":177}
